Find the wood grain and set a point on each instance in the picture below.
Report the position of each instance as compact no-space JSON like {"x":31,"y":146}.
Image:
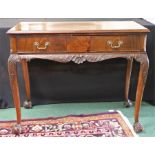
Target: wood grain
{"x":12,"y":70}
{"x":77,"y":27}
{"x":130,"y":43}
{"x":26,"y":78}
{"x":25,"y":44}
{"x":78,"y":42}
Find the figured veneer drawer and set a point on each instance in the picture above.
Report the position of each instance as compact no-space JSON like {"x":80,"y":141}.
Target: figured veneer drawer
{"x":82,"y":43}
{"x":117,"y":43}
{"x":41,"y":44}
{"x":78,"y":43}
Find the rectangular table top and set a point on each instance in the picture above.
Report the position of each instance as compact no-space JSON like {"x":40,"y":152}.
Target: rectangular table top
{"x":77,"y":27}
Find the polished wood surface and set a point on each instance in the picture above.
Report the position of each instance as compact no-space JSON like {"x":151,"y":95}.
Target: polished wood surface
{"x":27,"y":44}
{"x":129,"y":43}
{"x":26,"y":79}
{"x":12,"y":69}
{"x":77,"y":27}
{"x":127,"y":82}
{"x":78,"y":42}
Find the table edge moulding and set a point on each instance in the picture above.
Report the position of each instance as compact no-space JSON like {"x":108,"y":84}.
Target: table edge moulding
{"x":77,"y":42}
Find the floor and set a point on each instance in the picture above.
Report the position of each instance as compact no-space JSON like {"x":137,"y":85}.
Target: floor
{"x":147,"y":115}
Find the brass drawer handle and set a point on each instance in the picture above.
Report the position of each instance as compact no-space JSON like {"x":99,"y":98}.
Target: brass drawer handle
{"x":41,"y":48}
{"x":111,"y":44}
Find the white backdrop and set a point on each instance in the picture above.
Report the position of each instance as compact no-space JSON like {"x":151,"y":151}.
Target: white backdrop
{"x":77,"y":9}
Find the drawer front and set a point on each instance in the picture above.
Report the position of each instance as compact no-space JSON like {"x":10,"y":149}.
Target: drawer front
{"x":117,"y":43}
{"x":78,"y":44}
{"x":41,"y":44}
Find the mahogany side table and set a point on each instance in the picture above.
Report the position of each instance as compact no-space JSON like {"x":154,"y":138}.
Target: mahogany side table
{"x":77,"y":42}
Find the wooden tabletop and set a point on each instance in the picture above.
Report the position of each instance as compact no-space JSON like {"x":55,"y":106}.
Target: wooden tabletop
{"x":77,"y":27}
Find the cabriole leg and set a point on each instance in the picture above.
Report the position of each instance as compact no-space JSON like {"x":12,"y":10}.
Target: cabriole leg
{"x":144,"y":65}
{"x":27,"y":103}
{"x":128,"y":103}
{"x":12,"y":69}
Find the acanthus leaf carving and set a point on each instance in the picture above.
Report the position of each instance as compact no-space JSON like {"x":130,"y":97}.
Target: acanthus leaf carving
{"x":81,"y":58}
{"x":76,"y":58}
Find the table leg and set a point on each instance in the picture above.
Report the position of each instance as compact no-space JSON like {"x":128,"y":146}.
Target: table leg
{"x":27,"y":104}
{"x":12,"y":69}
{"x":144,"y":65}
{"x":128,"y":103}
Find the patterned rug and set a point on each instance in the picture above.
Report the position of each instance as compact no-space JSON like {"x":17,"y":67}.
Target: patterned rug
{"x":107,"y":124}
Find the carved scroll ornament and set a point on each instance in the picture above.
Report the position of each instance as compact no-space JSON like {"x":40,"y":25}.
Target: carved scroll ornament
{"x":79,"y":58}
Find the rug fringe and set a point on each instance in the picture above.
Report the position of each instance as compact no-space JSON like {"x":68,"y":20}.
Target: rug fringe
{"x":127,"y":122}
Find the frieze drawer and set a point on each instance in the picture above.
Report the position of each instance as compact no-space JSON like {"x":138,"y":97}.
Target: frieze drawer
{"x":117,"y":43}
{"x":41,"y":44}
